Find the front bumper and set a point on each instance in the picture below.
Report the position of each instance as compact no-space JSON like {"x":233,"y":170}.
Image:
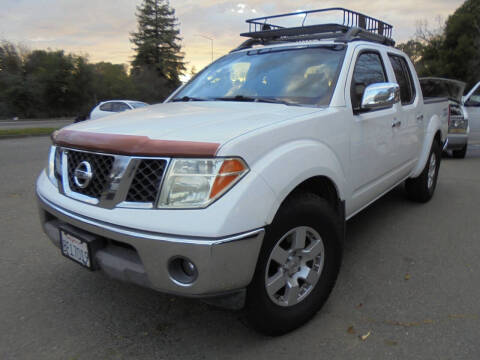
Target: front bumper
{"x":224,"y":265}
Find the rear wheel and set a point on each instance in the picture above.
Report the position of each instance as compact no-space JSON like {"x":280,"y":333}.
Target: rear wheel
{"x":460,"y":154}
{"x":297,"y":266}
{"x":421,"y":188}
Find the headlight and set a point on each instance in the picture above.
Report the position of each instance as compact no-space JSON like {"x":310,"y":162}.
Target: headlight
{"x":50,"y":170}
{"x":196,"y":183}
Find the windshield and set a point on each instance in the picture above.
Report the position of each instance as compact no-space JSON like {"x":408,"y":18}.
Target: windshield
{"x":305,"y":76}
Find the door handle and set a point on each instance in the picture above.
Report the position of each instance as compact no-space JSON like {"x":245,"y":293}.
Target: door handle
{"x":420,"y":117}
{"x":396,"y":123}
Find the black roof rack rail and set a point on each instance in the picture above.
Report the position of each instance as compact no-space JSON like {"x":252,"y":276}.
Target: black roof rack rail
{"x":355,"y":26}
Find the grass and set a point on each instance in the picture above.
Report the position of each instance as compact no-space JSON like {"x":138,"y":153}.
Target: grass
{"x":26,"y":132}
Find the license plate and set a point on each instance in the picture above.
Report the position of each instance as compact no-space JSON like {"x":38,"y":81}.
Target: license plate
{"x":75,"y":249}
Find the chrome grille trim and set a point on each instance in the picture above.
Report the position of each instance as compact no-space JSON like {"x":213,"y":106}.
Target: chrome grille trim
{"x":117,"y":184}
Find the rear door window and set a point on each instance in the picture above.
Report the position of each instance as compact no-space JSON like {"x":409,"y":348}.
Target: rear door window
{"x":368,"y":70}
{"x":404,"y":78}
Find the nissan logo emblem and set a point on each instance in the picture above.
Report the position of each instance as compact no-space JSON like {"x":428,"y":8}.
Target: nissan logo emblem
{"x":82,"y":176}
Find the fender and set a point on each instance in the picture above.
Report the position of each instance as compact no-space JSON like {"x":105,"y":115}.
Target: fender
{"x":304,"y":159}
{"x":434,"y":126}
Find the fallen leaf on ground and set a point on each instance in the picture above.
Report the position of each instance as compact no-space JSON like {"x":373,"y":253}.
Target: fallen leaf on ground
{"x":457,"y":316}
{"x":391,"y":342}
{"x":351,"y":330}
{"x":364,"y":337}
{"x":404,"y":324}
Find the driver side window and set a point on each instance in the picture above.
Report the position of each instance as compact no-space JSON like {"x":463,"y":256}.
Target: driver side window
{"x":368,"y":70}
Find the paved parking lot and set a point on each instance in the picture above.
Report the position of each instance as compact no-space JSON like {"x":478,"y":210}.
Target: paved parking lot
{"x":410,"y":279}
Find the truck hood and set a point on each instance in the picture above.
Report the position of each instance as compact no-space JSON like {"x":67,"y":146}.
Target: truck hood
{"x":209,"y":121}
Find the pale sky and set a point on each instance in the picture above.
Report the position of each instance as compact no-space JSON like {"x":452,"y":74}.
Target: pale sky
{"x":100,"y":28}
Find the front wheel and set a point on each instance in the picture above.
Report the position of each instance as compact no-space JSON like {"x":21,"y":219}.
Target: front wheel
{"x":297,"y":266}
{"x":421,"y":188}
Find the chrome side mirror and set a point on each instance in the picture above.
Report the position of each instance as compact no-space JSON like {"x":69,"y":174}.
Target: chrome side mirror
{"x":380,"y":96}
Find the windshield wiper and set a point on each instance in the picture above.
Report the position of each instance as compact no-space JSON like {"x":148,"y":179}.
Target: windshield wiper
{"x":236,"y":98}
{"x":188,"y":98}
{"x":276,"y":101}
{"x":255,"y":99}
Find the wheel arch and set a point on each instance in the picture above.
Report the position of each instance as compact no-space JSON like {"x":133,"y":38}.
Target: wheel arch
{"x":304,"y":165}
{"x":323,"y":187}
{"x":433,"y":133}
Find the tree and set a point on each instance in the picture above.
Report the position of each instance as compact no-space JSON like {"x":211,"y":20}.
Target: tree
{"x":12,"y":89}
{"x":111,"y":81}
{"x":451,"y":50}
{"x":157,"y":46}
{"x":46,"y":83}
{"x":462,"y":43}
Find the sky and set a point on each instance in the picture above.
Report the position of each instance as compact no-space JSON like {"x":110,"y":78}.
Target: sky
{"x":101,"y":28}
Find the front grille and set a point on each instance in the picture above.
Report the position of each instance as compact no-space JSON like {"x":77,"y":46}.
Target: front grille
{"x":146,"y":183}
{"x":101,"y":168}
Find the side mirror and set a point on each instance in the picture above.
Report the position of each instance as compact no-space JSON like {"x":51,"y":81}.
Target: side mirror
{"x":380,"y":96}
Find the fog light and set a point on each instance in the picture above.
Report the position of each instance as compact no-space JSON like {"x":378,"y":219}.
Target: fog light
{"x":188,"y":267}
{"x":182,"y":270}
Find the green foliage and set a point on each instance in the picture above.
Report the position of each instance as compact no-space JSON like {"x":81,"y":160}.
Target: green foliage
{"x":462,"y":43}
{"x":45,"y":83}
{"x":453,"y":52}
{"x":158,"y":52}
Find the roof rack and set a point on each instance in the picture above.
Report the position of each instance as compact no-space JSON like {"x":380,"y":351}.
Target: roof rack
{"x":355,"y":26}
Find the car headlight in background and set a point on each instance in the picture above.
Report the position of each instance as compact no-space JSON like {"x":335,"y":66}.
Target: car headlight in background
{"x":196,"y":183}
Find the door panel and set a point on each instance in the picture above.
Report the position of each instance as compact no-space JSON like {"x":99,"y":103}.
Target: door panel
{"x":474,"y":123}
{"x":407,"y":132}
{"x":371,"y":137}
{"x":472,"y":105}
{"x":473,"y":109}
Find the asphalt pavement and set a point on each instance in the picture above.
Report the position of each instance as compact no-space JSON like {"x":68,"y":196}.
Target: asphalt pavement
{"x":39,"y":123}
{"x":408,"y":287}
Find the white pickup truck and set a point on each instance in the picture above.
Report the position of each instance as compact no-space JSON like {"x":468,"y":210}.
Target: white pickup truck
{"x":237,"y":188}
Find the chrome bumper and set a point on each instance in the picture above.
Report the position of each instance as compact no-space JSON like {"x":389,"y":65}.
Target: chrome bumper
{"x":456,"y":141}
{"x":224,"y":265}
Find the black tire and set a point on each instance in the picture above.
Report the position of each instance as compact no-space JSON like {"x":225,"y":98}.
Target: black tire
{"x":460,"y":154}
{"x":300,"y":210}
{"x":418,"y":188}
